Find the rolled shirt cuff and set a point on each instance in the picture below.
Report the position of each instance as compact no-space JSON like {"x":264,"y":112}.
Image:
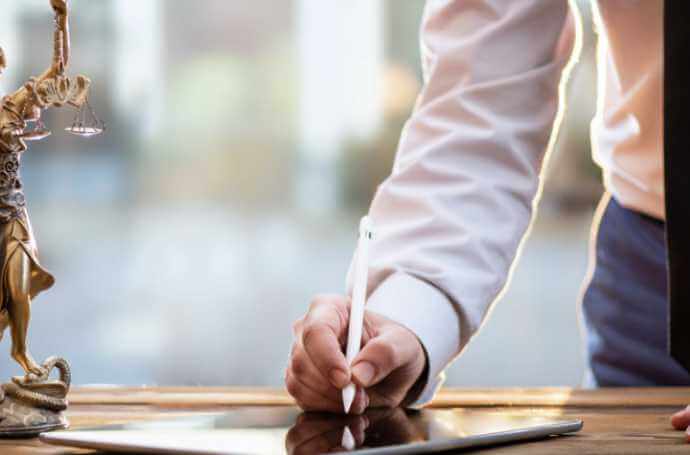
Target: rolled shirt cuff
{"x":429,"y":314}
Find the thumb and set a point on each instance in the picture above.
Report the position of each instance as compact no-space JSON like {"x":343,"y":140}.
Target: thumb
{"x":382,"y":355}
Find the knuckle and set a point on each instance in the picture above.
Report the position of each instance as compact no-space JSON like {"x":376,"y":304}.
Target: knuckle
{"x":388,"y":354}
{"x":327,"y":311}
{"x":386,"y":351}
{"x":311,"y":330}
{"x":337,"y":300}
{"x":328,"y":300}
{"x":298,"y":364}
{"x":316,"y":302}
{"x":293,"y":387}
{"x":297,"y":326}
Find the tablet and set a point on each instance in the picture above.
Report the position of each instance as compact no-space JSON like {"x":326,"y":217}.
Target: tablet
{"x":275,"y":430}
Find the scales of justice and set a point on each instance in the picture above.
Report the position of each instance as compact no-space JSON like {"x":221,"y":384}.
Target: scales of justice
{"x":33,"y":403}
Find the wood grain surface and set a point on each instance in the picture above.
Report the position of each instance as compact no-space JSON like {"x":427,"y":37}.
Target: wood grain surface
{"x":617,"y":421}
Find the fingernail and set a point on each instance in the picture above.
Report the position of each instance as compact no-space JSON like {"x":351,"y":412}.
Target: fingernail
{"x":364,"y":372}
{"x":339,"y":378}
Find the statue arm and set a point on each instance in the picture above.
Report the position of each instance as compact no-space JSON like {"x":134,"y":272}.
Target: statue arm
{"x":61,"y":40}
{"x":61,"y":49}
{"x":3,"y":62}
{"x":61,"y":52}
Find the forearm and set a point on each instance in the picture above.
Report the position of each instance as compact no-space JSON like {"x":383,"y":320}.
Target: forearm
{"x":61,"y":42}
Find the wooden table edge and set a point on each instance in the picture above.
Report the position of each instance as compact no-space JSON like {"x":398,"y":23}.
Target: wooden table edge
{"x":447,"y":397}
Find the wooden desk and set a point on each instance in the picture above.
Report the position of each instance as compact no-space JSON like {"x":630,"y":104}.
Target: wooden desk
{"x":617,"y":421}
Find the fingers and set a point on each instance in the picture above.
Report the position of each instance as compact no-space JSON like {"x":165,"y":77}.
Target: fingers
{"x":302,"y":368}
{"x":310,"y":399}
{"x":323,"y":329}
{"x":681,"y":419}
{"x":383,"y":354}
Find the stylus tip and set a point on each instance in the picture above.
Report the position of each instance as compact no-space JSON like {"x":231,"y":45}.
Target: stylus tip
{"x":348,"y":397}
{"x":348,"y":440}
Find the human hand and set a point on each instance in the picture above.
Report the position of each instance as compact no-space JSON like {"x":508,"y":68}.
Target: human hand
{"x":681,"y":421}
{"x":388,"y":366}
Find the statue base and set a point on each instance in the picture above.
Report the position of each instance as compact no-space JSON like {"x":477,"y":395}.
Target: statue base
{"x":31,"y":405}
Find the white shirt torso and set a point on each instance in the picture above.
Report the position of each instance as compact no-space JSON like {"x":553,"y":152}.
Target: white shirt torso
{"x":627,"y":131}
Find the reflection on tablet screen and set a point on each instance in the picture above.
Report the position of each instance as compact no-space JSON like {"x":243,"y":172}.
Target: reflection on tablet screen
{"x":284,"y":429}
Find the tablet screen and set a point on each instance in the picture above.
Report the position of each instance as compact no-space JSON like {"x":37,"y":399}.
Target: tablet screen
{"x":270,"y":430}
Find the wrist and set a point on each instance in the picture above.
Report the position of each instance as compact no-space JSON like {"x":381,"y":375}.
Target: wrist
{"x":419,"y":385}
{"x":430,"y":316}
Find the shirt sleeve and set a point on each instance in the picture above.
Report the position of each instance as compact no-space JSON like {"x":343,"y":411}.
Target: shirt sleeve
{"x":451,"y":216}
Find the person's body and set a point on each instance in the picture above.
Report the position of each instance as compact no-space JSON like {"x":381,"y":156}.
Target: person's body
{"x":21,"y":275}
{"x":453,"y":213}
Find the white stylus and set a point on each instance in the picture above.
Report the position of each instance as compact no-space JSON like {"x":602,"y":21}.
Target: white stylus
{"x":359,"y":295}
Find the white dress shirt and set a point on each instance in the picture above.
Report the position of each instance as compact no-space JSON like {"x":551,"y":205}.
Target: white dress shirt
{"x":451,"y":217}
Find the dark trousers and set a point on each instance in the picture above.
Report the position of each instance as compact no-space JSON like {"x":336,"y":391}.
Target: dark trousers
{"x":625,"y":304}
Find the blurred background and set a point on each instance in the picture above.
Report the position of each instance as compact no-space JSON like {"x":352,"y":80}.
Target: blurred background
{"x":245,"y":140}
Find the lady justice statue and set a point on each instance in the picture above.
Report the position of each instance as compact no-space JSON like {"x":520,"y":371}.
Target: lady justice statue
{"x":32,"y":403}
